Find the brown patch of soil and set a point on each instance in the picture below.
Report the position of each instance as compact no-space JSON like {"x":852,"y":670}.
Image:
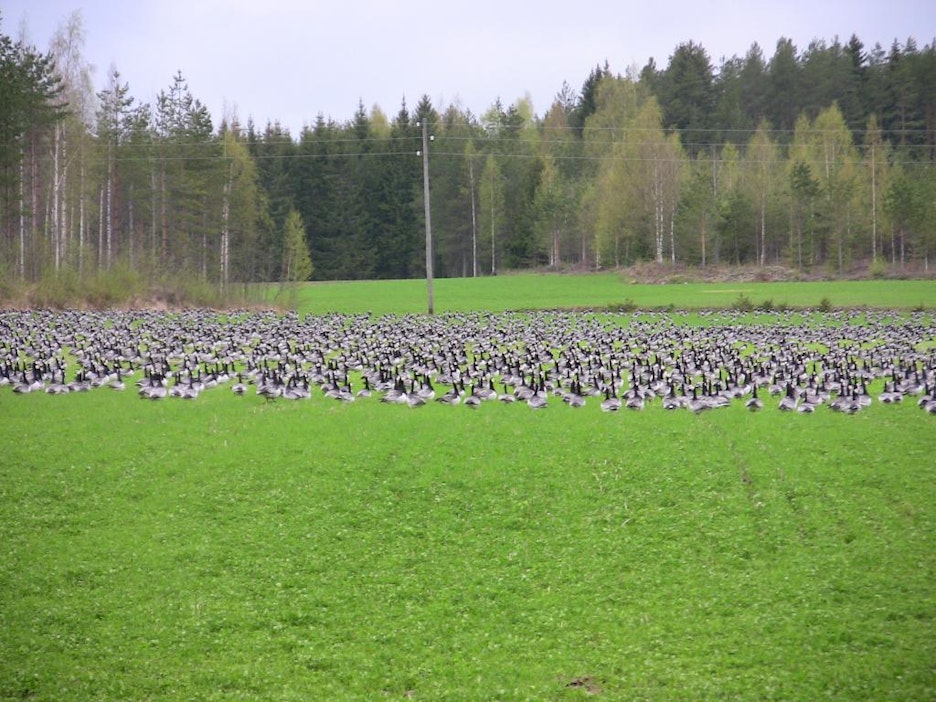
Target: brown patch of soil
{"x":587,"y":683}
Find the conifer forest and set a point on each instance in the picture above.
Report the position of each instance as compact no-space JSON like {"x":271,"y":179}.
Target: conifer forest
{"x":816,"y":158}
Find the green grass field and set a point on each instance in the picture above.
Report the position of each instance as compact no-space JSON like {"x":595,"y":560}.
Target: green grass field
{"x":229,"y":548}
{"x":532,"y":291}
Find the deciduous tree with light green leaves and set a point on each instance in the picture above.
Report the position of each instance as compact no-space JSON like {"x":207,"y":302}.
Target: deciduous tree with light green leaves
{"x":761,"y":181}
{"x":631,"y":186}
{"x":297,"y":263}
{"x":491,"y":217}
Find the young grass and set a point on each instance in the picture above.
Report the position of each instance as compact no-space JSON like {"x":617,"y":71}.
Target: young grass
{"x":232,"y":548}
{"x":599,"y":291}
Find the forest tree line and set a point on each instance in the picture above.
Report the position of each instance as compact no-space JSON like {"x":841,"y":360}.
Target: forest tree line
{"x":822,"y":157}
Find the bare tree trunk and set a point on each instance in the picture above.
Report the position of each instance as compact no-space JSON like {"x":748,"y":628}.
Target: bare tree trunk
{"x":163,"y":215}
{"x":109,"y":208}
{"x":658,"y":212}
{"x":672,"y":235}
{"x":584,"y":250}
{"x":225,"y":227}
{"x":55,"y":223}
{"x":131,"y":231}
{"x":153,"y":216}
{"x":556,"y":255}
{"x":893,"y":246}
{"x":101,"y":226}
{"x":82,"y":222}
{"x":763,"y":228}
{"x":873,"y":205}
{"x":474,"y":221}
{"x":493,"y":251}
{"x":63,"y":205}
{"x":21,"y":263}
{"x":35,"y":207}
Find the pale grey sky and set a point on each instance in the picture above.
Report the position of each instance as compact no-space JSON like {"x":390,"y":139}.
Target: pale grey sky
{"x":289,"y":60}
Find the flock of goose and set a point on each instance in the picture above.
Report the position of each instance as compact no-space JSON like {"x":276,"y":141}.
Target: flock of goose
{"x":799,"y":361}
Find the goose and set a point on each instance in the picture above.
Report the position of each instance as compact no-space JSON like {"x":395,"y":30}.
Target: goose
{"x":296,"y":389}
{"x":523,"y":392}
{"x":37,"y":381}
{"x":862,"y":397}
{"x":816,"y":393}
{"x":634,"y":402}
{"x":775,"y":388}
{"x":158,"y":392}
{"x":80,"y":383}
{"x":788,"y":401}
{"x":270,"y":388}
{"x":366,"y":390}
{"x":472,"y":400}
{"x":927,"y":396}
{"x":507,"y":397}
{"x":100,"y":378}
{"x":754,"y":403}
{"x":153,"y":389}
{"x":426,"y":392}
{"x":672,"y":401}
{"x":537,"y":400}
{"x":890,"y":394}
{"x":611,"y":403}
{"x":189,"y":390}
{"x":23,"y":386}
{"x":345,"y":394}
{"x":239,"y":388}
{"x":486,"y":393}
{"x":450,"y":397}
{"x":846,"y":403}
{"x":396,"y":395}
{"x":697,"y":404}
{"x":211,"y":381}
{"x":715,"y":398}
{"x":57,"y":387}
{"x":573,"y":397}
{"x":414,"y":400}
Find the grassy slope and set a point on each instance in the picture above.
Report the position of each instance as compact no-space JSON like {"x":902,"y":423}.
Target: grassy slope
{"x":532,"y":291}
{"x":229,"y":548}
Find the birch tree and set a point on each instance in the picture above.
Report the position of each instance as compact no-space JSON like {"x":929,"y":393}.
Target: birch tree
{"x":877,"y":180}
{"x":761,"y":159}
{"x":491,"y":217}
{"x":70,"y":146}
{"x":838,"y":171}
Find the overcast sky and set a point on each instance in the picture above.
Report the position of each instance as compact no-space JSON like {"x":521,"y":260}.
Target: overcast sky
{"x":289,"y":60}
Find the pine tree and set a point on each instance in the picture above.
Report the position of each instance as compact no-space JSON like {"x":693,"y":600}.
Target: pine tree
{"x":31,"y":103}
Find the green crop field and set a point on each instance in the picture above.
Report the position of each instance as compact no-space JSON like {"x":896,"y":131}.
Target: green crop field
{"x":532,"y":291}
{"x":232,"y":548}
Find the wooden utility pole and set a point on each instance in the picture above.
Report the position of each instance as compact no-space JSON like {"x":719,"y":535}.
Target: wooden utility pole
{"x":425,"y":155}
